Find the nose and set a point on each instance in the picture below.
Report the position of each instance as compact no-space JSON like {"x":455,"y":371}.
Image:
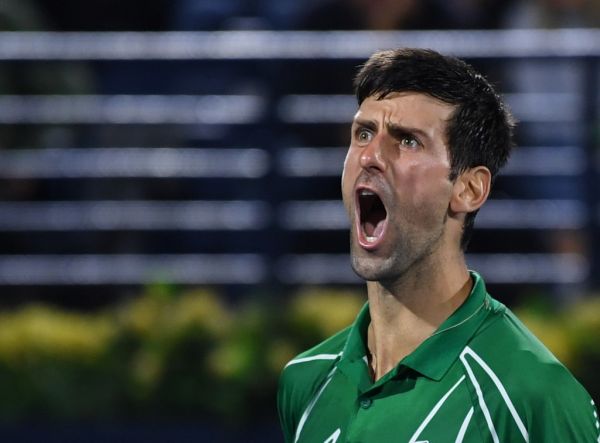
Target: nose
{"x":371,"y":156}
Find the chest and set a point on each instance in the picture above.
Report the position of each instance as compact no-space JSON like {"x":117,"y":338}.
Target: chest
{"x":408,"y":410}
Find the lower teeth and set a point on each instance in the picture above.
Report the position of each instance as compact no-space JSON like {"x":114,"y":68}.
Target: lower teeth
{"x":371,"y":239}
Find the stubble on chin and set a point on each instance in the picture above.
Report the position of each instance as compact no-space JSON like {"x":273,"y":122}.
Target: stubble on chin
{"x":406,"y":255}
{"x":371,"y":266}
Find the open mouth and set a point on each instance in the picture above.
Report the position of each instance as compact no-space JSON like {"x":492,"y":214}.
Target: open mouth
{"x":372,"y":218}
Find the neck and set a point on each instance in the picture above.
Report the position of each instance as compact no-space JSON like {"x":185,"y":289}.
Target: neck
{"x":407,"y":312}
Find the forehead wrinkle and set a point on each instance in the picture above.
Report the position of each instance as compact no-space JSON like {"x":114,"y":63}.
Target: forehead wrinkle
{"x":398,"y":130}
{"x":366,"y":123}
{"x":374,"y":109}
{"x":404,"y":103}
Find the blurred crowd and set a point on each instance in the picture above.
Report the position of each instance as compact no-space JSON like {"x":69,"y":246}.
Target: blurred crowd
{"x":159,"y":15}
{"x":140,"y":357}
{"x":271,"y":79}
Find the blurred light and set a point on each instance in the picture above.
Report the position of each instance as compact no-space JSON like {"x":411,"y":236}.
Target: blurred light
{"x":532,"y":214}
{"x":131,"y":269}
{"x":540,"y":160}
{"x":133,"y":162}
{"x":545,"y":107}
{"x":131,"y":109}
{"x":317,"y":109}
{"x":332,"y":109}
{"x":495,"y":268}
{"x":312,"y":162}
{"x":314,"y":215}
{"x":226,"y":45}
{"x":525,"y":160}
{"x":134,"y":215}
{"x":495,"y":214}
{"x":530,"y":268}
{"x":316,"y":269}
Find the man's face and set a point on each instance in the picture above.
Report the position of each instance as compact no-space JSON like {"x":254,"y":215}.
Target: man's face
{"x":395,"y":183}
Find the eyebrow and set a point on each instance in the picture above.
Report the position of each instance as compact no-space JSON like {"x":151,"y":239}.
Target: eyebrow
{"x":368,"y":124}
{"x":398,"y":131}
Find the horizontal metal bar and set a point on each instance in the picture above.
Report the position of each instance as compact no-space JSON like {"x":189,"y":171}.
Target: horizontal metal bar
{"x":547,"y":107}
{"x":133,"y":163}
{"x":253,"y":215}
{"x":495,"y":268}
{"x":134,"y":215}
{"x":240,"y":45}
{"x":547,"y":161}
{"x":525,"y":160}
{"x":131,"y":269}
{"x":237,"y":162}
{"x":495,"y":214}
{"x":131,"y":109}
{"x":532,"y":214}
{"x":308,"y":269}
{"x":235,"y":109}
{"x":311,"y":162}
{"x":308,"y":215}
{"x":531,"y":268}
{"x":317,"y":109}
{"x":251,"y":269}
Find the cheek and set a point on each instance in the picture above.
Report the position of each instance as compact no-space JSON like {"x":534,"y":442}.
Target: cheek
{"x":427,"y":185}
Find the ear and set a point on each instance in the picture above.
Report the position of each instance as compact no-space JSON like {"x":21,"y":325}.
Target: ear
{"x":471,"y":190}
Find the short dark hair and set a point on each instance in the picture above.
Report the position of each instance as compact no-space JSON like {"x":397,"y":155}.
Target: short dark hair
{"x":480,"y":130}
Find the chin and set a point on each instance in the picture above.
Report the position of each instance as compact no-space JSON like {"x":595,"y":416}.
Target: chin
{"x":371,"y":268}
{"x":390,"y":266}
{"x":366,"y":273}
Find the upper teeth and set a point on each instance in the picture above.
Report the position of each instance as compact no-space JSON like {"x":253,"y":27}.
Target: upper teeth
{"x":366,"y":192}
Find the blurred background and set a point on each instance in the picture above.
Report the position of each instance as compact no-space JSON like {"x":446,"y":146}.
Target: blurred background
{"x":171,"y":227}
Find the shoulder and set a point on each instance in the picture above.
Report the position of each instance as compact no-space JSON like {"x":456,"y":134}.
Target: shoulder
{"x":504,"y":345}
{"x":302,"y":377}
{"x":513,"y":372}
{"x":310,"y":367}
{"x":333,"y":345}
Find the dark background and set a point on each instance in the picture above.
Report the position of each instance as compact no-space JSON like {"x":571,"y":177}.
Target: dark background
{"x":171,"y":229}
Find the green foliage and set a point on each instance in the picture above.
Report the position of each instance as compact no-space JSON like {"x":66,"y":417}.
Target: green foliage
{"x":168,"y":354}
{"x":164,"y":354}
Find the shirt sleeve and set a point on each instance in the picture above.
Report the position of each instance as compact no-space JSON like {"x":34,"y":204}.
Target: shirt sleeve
{"x":565,"y":413}
{"x":285,"y":408}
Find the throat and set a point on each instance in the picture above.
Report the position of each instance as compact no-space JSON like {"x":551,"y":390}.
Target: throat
{"x":389,"y":342}
{"x":383,"y":357}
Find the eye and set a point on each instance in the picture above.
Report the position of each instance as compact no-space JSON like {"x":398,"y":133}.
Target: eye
{"x":363,"y":136}
{"x":410,"y":142}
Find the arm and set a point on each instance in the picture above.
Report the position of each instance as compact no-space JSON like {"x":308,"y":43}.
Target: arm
{"x":565,"y":414}
{"x":285,"y":408}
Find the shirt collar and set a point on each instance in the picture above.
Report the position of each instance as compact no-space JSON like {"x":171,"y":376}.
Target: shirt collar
{"x":437,"y":353}
{"x":356,"y":343}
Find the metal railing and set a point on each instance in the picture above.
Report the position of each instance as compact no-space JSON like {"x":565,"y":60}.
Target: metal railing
{"x":259,"y":45}
{"x":277,"y":178}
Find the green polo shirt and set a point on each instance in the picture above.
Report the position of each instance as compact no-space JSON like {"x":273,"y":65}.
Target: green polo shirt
{"x":483,"y":377}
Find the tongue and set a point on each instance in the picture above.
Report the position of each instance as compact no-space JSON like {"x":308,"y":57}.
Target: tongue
{"x":378,"y":229}
{"x":373,"y":226}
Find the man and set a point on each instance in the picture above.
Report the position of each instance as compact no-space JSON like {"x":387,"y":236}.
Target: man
{"x":431,"y":357}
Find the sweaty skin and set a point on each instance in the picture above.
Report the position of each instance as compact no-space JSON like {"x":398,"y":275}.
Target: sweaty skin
{"x":398,"y":151}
